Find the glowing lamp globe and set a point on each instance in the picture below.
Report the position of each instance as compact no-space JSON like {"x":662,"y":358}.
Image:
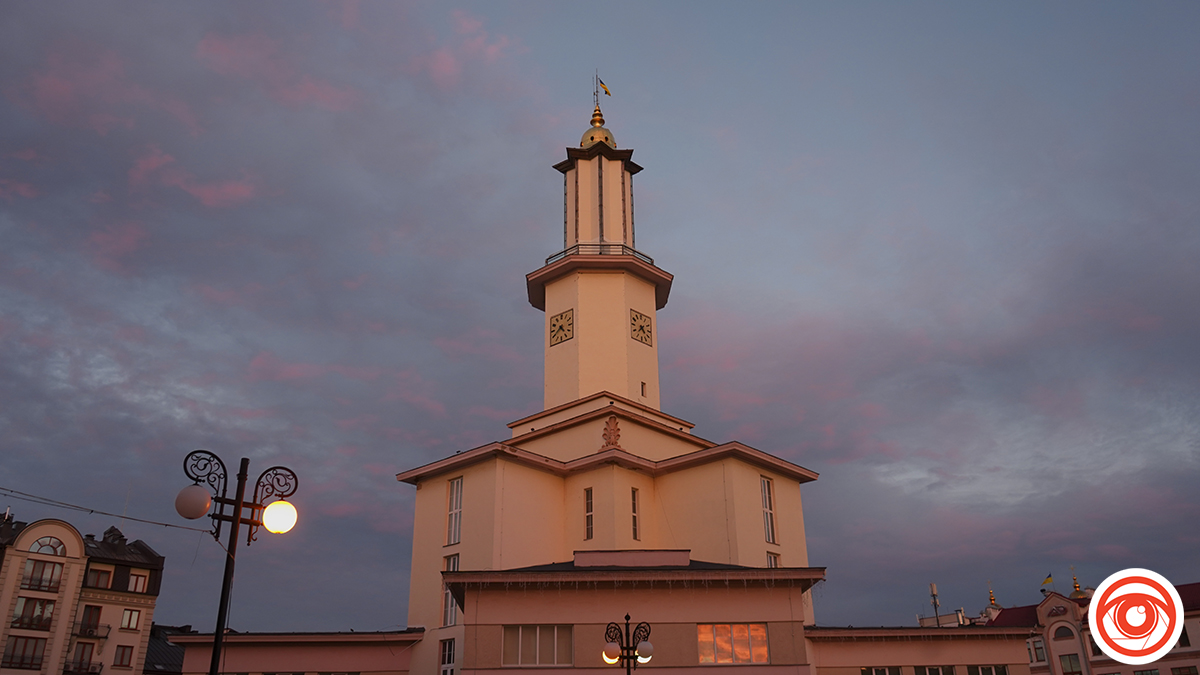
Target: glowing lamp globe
{"x":279,"y":517}
{"x":193,"y":502}
{"x":645,"y":652}
{"x":611,"y":653}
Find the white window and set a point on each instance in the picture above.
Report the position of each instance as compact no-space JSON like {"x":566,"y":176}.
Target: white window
{"x":449,"y":606}
{"x":137,"y":583}
{"x":454,"y":512}
{"x":935,"y":670}
{"x":587,"y":512}
{"x":773,"y":561}
{"x":635,"y":515}
{"x":537,"y":645}
{"x":447,"y":657}
{"x":888,"y":670}
{"x":130,"y":619}
{"x":733,"y":643}
{"x":768,"y":504}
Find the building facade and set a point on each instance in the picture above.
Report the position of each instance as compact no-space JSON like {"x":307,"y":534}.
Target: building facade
{"x":1060,"y":640}
{"x":74,"y":604}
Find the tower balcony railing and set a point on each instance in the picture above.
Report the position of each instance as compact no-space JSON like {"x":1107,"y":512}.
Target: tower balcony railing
{"x":600,"y":249}
{"x":92,"y":630}
{"x":90,"y":667}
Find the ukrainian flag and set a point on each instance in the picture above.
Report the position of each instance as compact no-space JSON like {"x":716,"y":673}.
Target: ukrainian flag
{"x":1049,"y":579}
{"x":604,"y":87}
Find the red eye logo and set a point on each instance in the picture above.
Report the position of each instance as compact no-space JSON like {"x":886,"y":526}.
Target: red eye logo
{"x":1136,"y":616}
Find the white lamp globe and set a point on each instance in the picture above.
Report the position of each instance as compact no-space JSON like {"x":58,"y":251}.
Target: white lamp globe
{"x":279,"y":517}
{"x":645,"y":651}
{"x":193,"y":502}
{"x":611,"y":653}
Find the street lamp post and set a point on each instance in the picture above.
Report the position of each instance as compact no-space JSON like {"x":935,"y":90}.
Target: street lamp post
{"x":626,"y":649}
{"x":194,"y":501}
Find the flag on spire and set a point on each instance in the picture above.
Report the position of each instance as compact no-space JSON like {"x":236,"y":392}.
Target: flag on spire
{"x":604,"y":87}
{"x":1049,"y":579}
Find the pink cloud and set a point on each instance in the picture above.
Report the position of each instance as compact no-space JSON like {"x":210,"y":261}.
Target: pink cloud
{"x":8,"y":188}
{"x":258,"y":58}
{"x":85,"y":87}
{"x":153,"y":159}
{"x":116,"y":242}
{"x":216,"y":194}
{"x":445,"y":65}
{"x":267,"y":366}
{"x":479,"y":342}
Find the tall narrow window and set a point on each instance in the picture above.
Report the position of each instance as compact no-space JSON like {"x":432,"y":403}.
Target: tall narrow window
{"x":137,"y":583}
{"x":447,"y":657}
{"x":587,"y":512}
{"x":449,"y":606}
{"x":1071,"y":665}
{"x":636,"y":535}
{"x":454,"y":515}
{"x":768,"y":503}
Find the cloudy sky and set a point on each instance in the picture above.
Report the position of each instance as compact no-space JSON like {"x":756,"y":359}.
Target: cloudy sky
{"x":946,"y":255}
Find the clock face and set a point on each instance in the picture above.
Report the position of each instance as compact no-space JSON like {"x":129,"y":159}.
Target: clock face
{"x":562,"y":327}
{"x":639,"y":327}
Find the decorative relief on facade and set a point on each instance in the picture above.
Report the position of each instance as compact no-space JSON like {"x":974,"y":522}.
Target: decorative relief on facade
{"x":612,"y":435}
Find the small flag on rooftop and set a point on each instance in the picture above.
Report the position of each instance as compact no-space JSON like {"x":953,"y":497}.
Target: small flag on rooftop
{"x":604,"y":87}
{"x":1049,"y":579}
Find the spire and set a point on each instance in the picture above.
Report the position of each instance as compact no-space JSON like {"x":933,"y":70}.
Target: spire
{"x":992,"y":598}
{"x":597,"y":117}
{"x":597,"y":133}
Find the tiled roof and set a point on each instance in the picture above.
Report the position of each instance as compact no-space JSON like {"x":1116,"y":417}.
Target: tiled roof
{"x":1026,"y":616}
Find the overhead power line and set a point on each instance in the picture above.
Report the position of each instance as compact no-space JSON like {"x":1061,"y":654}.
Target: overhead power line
{"x":46,"y":501}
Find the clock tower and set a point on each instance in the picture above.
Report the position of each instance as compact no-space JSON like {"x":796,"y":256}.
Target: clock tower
{"x":600,"y":294}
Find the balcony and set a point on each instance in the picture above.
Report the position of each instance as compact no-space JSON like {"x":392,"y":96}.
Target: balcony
{"x":83,"y":667}
{"x":21,"y":661}
{"x":31,"y":622}
{"x":40,"y":584}
{"x":600,"y":249}
{"x":92,"y":630}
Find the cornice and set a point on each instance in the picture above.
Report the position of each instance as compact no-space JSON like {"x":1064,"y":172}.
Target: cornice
{"x":535,"y":282}
{"x":610,"y":153}
{"x":601,"y":394}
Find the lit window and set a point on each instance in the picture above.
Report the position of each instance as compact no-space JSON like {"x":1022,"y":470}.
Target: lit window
{"x":449,"y":606}
{"x":635,"y":515}
{"x":768,"y":504}
{"x":733,"y":643}
{"x":772,"y":560}
{"x":537,"y":645}
{"x":98,"y":578}
{"x":24,"y":652}
{"x":33,"y":614}
{"x":123,"y":656}
{"x":454,"y":517}
{"x":42,"y":576}
{"x":587,"y":511}
{"x":130,"y":619}
{"x":447,"y":648}
{"x":48,"y":546}
{"x":137,"y":583}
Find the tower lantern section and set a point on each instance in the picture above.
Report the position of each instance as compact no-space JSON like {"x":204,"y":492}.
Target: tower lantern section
{"x":600,"y":294}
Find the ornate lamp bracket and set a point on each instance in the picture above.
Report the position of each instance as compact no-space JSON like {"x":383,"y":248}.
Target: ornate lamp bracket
{"x":208,"y":470}
{"x":277,"y":481}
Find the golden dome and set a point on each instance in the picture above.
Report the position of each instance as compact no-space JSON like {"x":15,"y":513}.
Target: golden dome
{"x":597,"y":134}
